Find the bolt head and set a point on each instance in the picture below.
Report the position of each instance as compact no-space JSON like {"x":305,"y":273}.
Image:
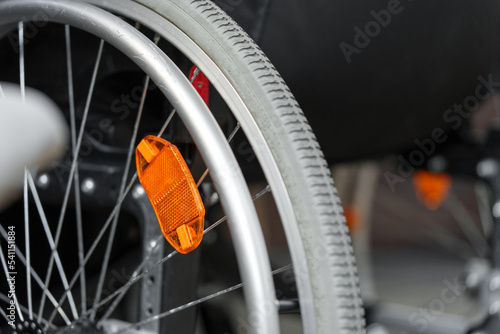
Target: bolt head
{"x":138,"y":191}
{"x":487,"y":168}
{"x":43,"y":181}
{"x":495,"y":307}
{"x":495,"y":283}
{"x":88,"y":186}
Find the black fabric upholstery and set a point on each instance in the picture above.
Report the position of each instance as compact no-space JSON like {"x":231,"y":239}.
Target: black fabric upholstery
{"x":397,"y":88}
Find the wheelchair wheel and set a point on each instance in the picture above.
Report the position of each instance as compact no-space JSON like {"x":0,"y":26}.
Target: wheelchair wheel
{"x":152,"y":49}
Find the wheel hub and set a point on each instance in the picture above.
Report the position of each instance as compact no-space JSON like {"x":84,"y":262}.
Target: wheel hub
{"x":29,"y":327}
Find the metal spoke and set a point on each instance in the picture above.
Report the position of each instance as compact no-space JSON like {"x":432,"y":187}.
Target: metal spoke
{"x":71,"y":175}
{"x":78,"y":204}
{"x":202,"y":178}
{"x":167,"y":122}
{"x":27,"y":245}
{"x":6,"y":271}
{"x":136,"y":276}
{"x":38,"y":280}
{"x":223,"y":219}
{"x":235,"y":130}
{"x":20,"y":28}
{"x":135,"y":279}
{"x":136,"y":272}
{"x":195,"y":302}
{"x":22,"y":308}
{"x":182,"y":307}
{"x":122,"y":189}
{"x":48,"y":233}
{"x":95,"y":243}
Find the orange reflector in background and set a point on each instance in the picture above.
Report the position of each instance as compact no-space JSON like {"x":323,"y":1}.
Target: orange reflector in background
{"x":172,"y":191}
{"x":352,"y":217}
{"x":432,"y":188}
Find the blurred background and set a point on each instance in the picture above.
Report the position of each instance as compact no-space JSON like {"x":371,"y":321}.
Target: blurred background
{"x":402,"y":96}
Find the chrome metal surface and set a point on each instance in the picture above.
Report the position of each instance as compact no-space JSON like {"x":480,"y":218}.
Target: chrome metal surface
{"x":88,"y":186}
{"x":43,"y":181}
{"x":78,"y":204}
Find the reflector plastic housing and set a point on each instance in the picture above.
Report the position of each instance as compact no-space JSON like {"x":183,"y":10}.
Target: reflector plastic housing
{"x":352,"y":217}
{"x":432,"y":188}
{"x":172,"y":191}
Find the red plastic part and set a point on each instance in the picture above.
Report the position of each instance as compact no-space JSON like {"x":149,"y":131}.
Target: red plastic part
{"x":201,"y":84}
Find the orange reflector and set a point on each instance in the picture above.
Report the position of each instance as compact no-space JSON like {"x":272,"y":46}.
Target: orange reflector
{"x":352,"y":217}
{"x":432,"y":188}
{"x":172,"y":191}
